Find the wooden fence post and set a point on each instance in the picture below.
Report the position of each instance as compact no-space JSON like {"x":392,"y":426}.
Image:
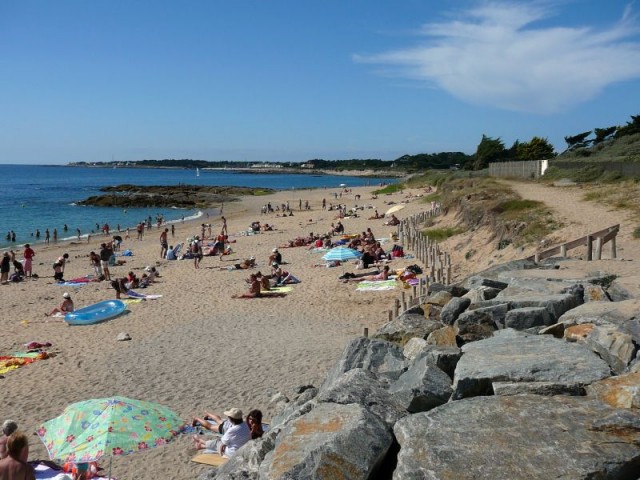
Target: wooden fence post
{"x":589,"y":247}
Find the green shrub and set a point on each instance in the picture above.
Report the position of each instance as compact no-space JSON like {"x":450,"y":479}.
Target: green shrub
{"x":516,"y":205}
{"x":636,"y":233}
{"x":391,"y":188}
{"x":441,"y":234}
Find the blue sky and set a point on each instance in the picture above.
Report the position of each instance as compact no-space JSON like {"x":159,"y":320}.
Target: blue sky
{"x":295,"y":80}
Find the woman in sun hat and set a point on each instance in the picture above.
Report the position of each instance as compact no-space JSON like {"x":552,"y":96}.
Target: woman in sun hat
{"x":65,"y":307}
{"x":235,"y":432}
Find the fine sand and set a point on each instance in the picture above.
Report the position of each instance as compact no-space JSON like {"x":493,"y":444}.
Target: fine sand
{"x":196,"y":348}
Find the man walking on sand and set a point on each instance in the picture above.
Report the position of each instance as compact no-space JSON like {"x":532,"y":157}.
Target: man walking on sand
{"x":164,"y":244}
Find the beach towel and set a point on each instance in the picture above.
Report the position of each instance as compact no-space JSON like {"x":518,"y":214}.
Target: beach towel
{"x":280,"y":289}
{"x":134,"y":294}
{"x":46,"y":472}
{"x":209,"y":458}
{"x":131,"y":301}
{"x":20,"y":359}
{"x":373,"y":285}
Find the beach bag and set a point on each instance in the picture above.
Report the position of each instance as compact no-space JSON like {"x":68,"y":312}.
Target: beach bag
{"x":397,"y":251}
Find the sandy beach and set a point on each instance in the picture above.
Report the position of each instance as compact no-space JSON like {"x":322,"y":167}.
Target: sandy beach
{"x":196,"y":348}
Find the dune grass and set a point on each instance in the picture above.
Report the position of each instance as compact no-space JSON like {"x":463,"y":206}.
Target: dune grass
{"x":441,"y":234}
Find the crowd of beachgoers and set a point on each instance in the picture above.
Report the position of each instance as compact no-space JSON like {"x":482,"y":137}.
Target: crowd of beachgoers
{"x":188,"y":269}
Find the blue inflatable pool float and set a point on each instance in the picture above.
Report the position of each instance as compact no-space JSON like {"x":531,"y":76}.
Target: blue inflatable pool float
{"x":96,"y":313}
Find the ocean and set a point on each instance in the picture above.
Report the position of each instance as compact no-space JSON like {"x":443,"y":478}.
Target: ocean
{"x":35,"y":197}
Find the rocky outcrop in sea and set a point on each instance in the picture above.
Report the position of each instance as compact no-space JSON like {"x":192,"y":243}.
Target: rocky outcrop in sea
{"x":502,"y":376}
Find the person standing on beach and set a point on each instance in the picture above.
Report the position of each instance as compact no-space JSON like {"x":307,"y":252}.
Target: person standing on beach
{"x":5,"y":268}
{"x":164,"y":243}
{"x":140,"y":230}
{"x":196,"y":250}
{"x":78,"y":233}
{"x":28,"y":260}
{"x":105,"y":255}
{"x":224,"y":226}
{"x":173,"y":231}
{"x":55,"y":235}
{"x":46,"y":236}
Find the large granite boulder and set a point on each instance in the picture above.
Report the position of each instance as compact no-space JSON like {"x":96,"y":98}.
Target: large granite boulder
{"x":330,"y":442}
{"x":556,"y":304}
{"x":614,"y":347}
{"x":521,"y":437}
{"x":422,"y":387}
{"x":414,"y":348}
{"x":382,"y":358}
{"x":528,"y":317}
{"x":474,"y":325}
{"x":444,"y":357}
{"x":406,"y":327}
{"x":452,"y":310}
{"x":454,"y":290}
{"x":445,"y":336}
{"x":619,"y":392}
{"x":480,"y":294}
{"x":625,"y":315}
{"x":361,"y":387}
{"x":527,"y":360}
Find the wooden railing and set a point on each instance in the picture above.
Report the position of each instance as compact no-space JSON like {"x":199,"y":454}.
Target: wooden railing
{"x":594,"y":243}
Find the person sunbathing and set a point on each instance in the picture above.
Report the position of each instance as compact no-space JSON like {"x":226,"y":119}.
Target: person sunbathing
{"x":393,"y":220}
{"x":254,"y":288}
{"x":65,"y":307}
{"x":15,"y":465}
{"x":244,"y":265}
{"x":378,"y":277}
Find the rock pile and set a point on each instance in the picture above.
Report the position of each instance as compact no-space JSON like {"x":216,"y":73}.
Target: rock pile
{"x":506,"y":375}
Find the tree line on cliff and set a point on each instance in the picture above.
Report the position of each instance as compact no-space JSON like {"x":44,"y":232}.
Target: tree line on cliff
{"x":489,"y":150}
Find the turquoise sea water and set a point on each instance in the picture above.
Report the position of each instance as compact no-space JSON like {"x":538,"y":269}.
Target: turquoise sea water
{"x":40,"y":197}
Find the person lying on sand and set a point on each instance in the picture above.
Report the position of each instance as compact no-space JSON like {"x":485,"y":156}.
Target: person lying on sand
{"x":383,"y":275}
{"x":244,"y":265}
{"x":65,"y":307}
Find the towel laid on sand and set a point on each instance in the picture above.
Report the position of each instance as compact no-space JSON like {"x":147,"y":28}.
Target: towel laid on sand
{"x":134,"y":294}
{"x":376,"y":285}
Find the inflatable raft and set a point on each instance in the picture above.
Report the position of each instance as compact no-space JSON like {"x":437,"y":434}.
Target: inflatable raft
{"x":98,"y":312}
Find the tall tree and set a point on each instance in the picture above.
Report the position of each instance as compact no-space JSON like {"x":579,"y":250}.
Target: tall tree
{"x":603,"y":133}
{"x":536,"y":149}
{"x":577,"y":141}
{"x":630,"y":128}
{"x":489,"y":150}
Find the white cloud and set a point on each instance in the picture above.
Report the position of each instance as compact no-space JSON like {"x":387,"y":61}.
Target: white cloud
{"x":499,"y":55}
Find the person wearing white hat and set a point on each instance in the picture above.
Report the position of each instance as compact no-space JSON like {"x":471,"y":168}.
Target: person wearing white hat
{"x":235,"y":432}
{"x":275,"y":256}
{"x":65,"y":307}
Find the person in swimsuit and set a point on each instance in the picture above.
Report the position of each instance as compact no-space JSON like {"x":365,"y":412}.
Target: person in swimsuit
{"x":65,"y":307}
{"x":383,"y":275}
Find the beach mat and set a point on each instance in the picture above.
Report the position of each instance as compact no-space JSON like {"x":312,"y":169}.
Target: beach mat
{"x":280,"y":289}
{"x":134,"y":294}
{"x":212,"y":459}
{"x":373,"y":285}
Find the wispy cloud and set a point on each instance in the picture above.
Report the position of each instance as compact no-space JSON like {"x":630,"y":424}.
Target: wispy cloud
{"x":498,"y":54}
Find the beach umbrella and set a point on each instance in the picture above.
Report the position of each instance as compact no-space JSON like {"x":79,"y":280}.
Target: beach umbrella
{"x":89,"y":430}
{"x":341,"y":254}
{"x":395,"y":209}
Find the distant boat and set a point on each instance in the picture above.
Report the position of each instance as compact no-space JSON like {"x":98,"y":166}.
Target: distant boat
{"x":197,"y":172}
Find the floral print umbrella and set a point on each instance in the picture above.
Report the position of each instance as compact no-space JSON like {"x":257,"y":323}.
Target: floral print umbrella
{"x":87,"y":431}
